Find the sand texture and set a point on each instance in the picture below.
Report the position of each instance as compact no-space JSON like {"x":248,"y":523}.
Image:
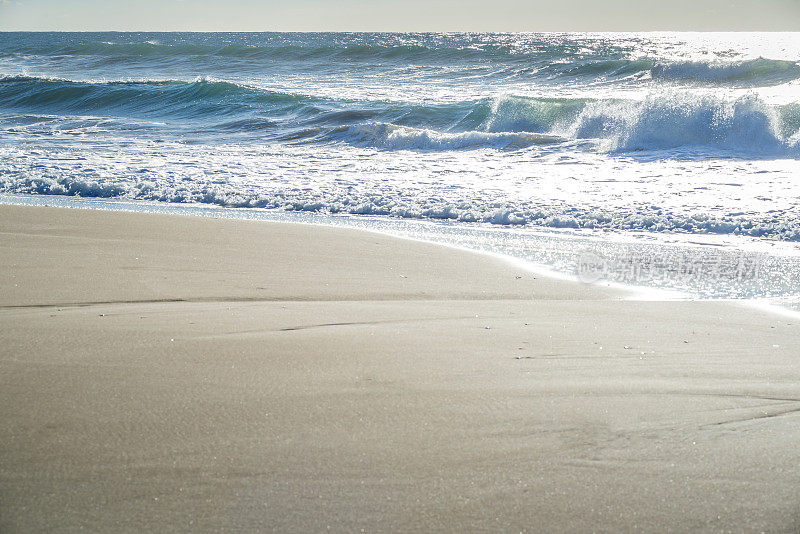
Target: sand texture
{"x":164,"y":373}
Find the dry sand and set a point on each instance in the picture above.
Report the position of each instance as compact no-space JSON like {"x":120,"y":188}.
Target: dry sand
{"x":163,"y":373}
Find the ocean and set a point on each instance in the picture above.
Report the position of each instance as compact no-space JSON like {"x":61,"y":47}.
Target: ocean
{"x":662,"y":160}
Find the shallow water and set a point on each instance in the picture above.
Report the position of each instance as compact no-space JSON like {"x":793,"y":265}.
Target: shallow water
{"x":762,"y":273}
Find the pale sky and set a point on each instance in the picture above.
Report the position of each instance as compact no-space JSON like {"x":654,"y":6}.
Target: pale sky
{"x":400,"y":15}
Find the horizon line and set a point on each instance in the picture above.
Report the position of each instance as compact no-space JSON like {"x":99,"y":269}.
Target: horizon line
{"x":397,"y":31}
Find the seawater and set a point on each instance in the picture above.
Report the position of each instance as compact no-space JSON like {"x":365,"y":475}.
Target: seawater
{"x":635,"y":143}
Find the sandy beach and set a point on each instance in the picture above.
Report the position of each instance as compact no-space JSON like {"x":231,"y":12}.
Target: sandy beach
{"x":165,"y":373}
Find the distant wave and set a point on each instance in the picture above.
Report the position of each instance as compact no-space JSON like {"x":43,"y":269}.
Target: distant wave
{"x":665,"y":120}
{"x":760,"y":70}
{"x":142,"y":51}
{"x":554,"y":60}
{"x":152,"y":98}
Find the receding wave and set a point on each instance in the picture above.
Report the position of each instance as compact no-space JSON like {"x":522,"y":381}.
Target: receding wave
{"x":649,"y":218}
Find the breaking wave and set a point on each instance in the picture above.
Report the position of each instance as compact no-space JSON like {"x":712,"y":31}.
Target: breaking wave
{"x":663,"y":121}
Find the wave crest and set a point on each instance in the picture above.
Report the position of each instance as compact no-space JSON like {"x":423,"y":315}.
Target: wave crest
{"x":663,"y":121}
{"x":746,"y":125}
{"x":392,"y":137}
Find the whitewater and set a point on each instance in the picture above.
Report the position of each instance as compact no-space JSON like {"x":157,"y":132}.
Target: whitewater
{"x":541,"y":146}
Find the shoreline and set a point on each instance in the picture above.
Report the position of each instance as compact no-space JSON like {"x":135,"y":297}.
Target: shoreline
{"x":167,"y":373}
{"x":409,"y":230}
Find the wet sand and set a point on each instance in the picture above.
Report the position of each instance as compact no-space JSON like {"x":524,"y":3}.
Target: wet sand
{"x":175,"y":373}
